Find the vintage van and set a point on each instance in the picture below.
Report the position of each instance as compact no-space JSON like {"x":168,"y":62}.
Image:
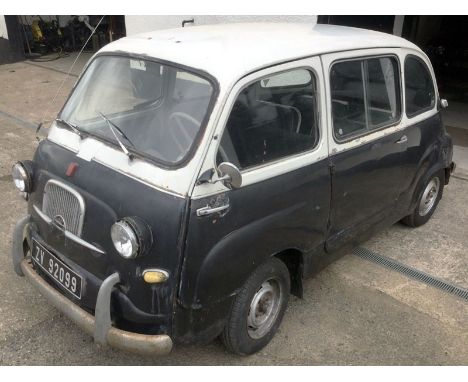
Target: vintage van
{"x":196,"y":176}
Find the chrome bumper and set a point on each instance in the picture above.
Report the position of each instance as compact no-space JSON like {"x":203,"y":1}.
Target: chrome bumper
{"x":98,"y":326}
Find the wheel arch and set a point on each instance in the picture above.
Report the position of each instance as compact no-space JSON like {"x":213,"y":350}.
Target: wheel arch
{"x":294,"y":261}
{"x":424,"y":178}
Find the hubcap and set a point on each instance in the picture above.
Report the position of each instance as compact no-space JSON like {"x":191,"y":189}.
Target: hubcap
{"x":429,"y":196}
{"x":264,"y":308}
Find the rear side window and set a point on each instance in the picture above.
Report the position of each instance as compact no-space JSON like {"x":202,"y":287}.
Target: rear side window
{"x":419,"y":89}
{"x":365,"y":95}
{"x":272,"y":118}
{"x":383,"y":91}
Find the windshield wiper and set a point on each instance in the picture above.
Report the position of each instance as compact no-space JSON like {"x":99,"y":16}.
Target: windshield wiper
{"x":73,"y":127}
{"x":113,"y":126}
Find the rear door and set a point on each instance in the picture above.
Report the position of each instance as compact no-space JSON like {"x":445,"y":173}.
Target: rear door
{"x":272,"y":129}
{"x":367,"y":140}
{"x":422,"y":118}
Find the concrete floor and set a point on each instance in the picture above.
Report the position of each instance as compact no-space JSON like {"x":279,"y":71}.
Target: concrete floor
{"x":456,"y":115}
{"x":63,"y":63}
{"x":354,"y":312}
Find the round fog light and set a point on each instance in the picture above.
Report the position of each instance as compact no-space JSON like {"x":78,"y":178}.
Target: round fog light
{"x":124,"y":239}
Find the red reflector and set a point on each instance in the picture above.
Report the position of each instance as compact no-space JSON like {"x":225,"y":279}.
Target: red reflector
{"x":71,"y":169}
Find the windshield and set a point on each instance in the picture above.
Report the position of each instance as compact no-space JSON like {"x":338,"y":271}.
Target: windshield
{"x":160,"y":108}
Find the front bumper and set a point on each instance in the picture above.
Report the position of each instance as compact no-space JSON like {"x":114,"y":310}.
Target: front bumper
{"x":98,"y":326}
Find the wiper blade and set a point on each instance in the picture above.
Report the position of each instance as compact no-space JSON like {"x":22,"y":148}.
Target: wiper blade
{"x":73,"y":127}
{"x":113,"y":127}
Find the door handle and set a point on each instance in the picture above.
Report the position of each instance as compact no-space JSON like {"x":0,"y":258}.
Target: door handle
{"x":208,"y":210}
{"x":403,"y":139}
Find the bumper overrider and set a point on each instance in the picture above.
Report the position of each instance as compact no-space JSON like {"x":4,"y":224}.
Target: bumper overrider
{"x":98,"y":326}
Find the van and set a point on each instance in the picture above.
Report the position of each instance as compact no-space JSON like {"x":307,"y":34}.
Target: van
{"x":196,"y":176}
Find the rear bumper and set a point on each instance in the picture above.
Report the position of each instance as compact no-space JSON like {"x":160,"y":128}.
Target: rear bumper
{"x":98,"y":326}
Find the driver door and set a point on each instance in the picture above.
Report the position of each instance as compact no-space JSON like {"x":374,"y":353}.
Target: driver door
{"x":273,"y":129}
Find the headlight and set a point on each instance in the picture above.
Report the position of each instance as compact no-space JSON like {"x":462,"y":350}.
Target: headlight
{"x":21,"y":173}
{"x":131,"y":237}
{"x":125,"y":240}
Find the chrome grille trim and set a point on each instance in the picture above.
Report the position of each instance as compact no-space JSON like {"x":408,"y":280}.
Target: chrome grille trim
{"x":67,"y":234}
{"x":63,"y":201}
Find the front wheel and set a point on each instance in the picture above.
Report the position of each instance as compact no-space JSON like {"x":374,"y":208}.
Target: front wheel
{"x":427,"y":202}
{"x":258,"y":308}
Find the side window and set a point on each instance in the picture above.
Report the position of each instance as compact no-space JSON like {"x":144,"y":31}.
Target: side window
{"x":419,"y":89}
{"x":365,"y":95}
{"x":347,"y":95}
{"x":271,"y":118}
{"x":383,"y":91}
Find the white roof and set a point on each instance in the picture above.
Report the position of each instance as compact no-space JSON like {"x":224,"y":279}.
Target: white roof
{"x":229,"y":51}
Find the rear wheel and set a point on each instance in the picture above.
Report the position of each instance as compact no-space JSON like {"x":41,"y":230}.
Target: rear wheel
{"x":258,"y":308}
{"x":428,"y":200}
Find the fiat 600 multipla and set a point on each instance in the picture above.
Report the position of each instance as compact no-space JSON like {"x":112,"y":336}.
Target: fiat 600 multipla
{"x":195,"y":177}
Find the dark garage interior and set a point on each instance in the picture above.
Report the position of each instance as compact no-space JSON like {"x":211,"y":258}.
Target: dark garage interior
{"x":46,"y":38}
{"x":442,"y":38}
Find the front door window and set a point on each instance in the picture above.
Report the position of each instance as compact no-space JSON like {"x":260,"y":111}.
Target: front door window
{"x":272,"y":118}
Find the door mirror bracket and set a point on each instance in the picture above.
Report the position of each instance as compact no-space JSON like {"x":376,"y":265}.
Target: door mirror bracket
{"x":229,"y":174}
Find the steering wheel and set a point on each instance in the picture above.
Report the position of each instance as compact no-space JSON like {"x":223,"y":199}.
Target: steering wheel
{"x":183,"y":130}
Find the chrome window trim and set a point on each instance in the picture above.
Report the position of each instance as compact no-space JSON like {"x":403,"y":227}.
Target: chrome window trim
{"x":76,"y":194}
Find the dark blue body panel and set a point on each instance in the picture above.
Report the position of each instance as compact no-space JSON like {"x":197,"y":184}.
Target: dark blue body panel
{"x":376,"y":184}
{"x":287,"y":212}
{"x":110,"y":196}
{"x":306,"y":217}
{"x":429,"y":148}
{"x":366,"y":185}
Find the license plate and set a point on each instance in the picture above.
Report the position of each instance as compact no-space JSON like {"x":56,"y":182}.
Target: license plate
{"x":57,"y":270}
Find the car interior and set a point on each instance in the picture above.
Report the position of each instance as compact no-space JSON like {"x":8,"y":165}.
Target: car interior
{"x":419,"y":90}
{"x":160,"y":109}
{"x":348,"y":94}
{"x":268,"y":123}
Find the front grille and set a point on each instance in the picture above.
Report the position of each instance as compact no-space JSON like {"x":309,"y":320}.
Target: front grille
{"x":64,"y":206}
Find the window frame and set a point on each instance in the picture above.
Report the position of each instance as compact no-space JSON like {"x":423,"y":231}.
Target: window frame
{"x":428,"y":71}
{"x":367,"y":130}
{"x":138,"y":153}
{"x":318,"y":103}
{"x":289,"y":86}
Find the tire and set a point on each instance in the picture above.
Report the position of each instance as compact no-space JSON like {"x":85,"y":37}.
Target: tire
{"x":428,"y":199}
{"x":267,"y":288}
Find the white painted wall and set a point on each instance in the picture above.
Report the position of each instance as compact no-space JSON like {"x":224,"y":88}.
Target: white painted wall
{"x":140,"y":24}
{"x":3,"y":28}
